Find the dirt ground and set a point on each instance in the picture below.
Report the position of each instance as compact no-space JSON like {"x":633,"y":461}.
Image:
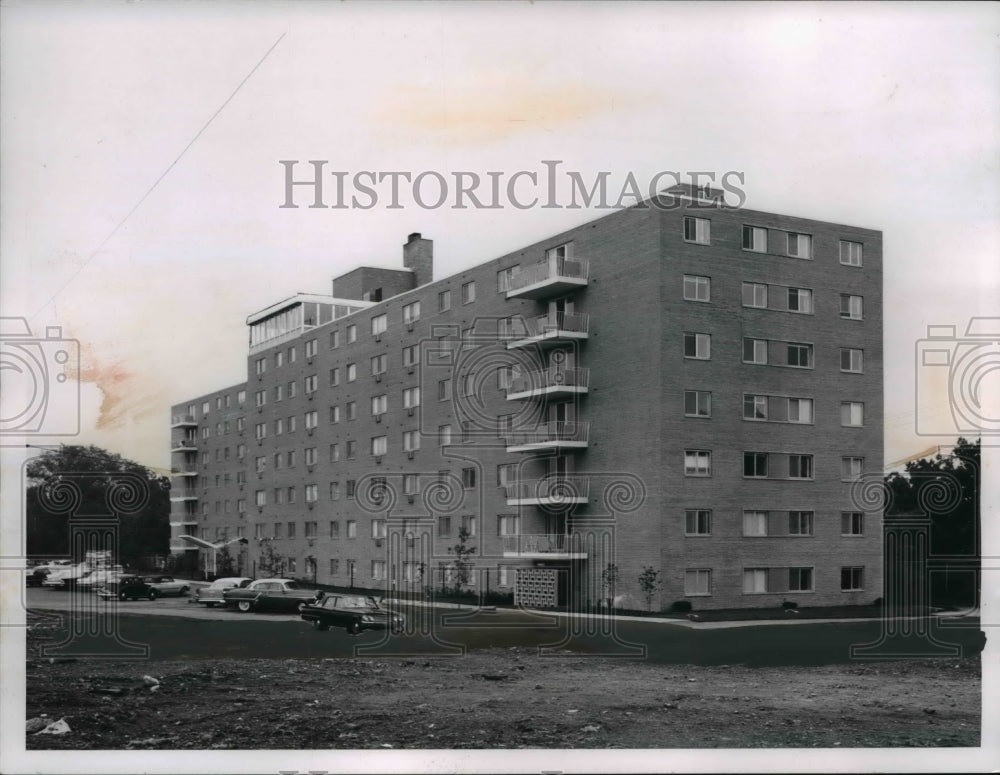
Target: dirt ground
{"x":500,"y":698}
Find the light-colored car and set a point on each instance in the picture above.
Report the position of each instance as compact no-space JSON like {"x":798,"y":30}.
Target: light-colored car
{"x":168,"y":585}
{"x":273,"y":594}
{"x":66,"y":578}
{"x":98,"y":578}
{"x":212,"y":594}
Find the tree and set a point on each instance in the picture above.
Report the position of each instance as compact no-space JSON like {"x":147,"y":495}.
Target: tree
{"x":271,"y":563}
{"x":946,"y":489}
{"x":75,"y":481}
{"x":649,"y":583}
{"x":461,"y":565}
{"x":609,"y":580}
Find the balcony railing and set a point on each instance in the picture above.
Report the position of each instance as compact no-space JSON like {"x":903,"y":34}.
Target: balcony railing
{"x":546,"y":381}
{"x":552,"y":490}
{"x":183,"y":445}
{"x":183,"y":472}
{"x":182,"y":420}
{"x":184,"y":494}
{"x":550,"y":434}
{"x":553,"y":275}
{"x":555,"y":327}
{"x":549,"y":545}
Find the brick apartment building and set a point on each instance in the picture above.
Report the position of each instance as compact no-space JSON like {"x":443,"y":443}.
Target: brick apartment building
{"x":689,"y":388}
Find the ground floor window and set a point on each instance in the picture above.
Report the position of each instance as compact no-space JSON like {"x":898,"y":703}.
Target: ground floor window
{"x":852,"y":579}
{"x":698,"y":581}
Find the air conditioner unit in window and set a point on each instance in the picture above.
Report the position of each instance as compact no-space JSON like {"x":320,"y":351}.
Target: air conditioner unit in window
{"x":409,"y":411}
{"x":378,"y":459}
{"x":309,"y":396}
{"x":378,"y":377}
{"x":378,"y":418}
{"x":409,"y":455}
{"x":409,"y":326}
{"x":310,"y":505}
{"x":409,"y":499}
{"x":378,"y":542}
{"x":309,"y":468}
{"x":378,"y":337}
{"x":310,"y":431}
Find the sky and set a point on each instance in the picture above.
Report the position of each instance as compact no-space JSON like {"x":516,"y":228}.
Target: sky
{"x":142,"y":190}
{"x":141,"y":187}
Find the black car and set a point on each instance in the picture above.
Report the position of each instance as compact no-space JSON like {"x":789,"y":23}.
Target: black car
{"x":128,"y":588}
{"x":352,"y":612}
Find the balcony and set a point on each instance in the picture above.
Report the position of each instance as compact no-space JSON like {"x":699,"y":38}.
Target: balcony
{"x":552,"y":277}
{"x":183,"y":421}
{"x":185,"y":494}
{"x":183,"y":445}
{"x":183,"y":472}
{"x":549,"y":382}
{"x":557,"y":328}
{"x":550,"y":491}
{"x":550,"y":435}
{"x":553,"y":546}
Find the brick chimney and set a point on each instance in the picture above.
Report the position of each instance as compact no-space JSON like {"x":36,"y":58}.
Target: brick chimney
{"x":418,"y":255}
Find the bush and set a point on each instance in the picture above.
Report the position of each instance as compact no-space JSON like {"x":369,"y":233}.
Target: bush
{"x":680,"y":606}
{"x":789,"y":604}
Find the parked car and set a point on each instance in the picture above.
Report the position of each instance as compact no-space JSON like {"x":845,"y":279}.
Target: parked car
{"x":67,"y":577}
{"x":276,"y":594}
{"x":128,"y":588}
{"x":352,"y":612}
{"x":168,"y":585}
{"x":38,"y":572}
{"x":98,"y":578}
{"x":212,"y":594}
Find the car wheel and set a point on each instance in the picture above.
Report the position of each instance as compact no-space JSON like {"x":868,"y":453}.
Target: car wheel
{"x":152,"y":594}
{"x":183,"y":592}
{"x":244,"y":606}
{"x":318,"y":625}
{"x":354,"y":628}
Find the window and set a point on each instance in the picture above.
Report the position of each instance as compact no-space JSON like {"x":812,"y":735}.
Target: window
{"x":352,"y":528}
{"x":850,"y":253}
{"x":334,"y":528}
{"x":755,"y":464}
{"x":260,"y":430}
{"x":697,"y":463}
{"x":352,"y":372}
{"x":352,"y":333}
{"x":508,"y":525}
{"x":260,"y":397}
{"x":799,"y":355}
{"x":410,"y":484}
{"x":800,"y":410}
{"x":505,"y":278}
{"x":444,"y":390}
{"x":378,"y":364}
{"x":311,"y":383}
{"x":697,"y":403}
{"x":379,"y":445}
{"x":310,"y":350}
{"x":697,"y":230}
{"x":754,"y":523}
{"x":334,"y":567}
{"x":799,"y":245}
{"x":378,"y":528}
{"x":411,"y":441}
{"x":351,"y":410}
{"x":468,"y":478}
{"x":379,"y":405}
{"x":350,"y":449}
{"x":379,"y":324}
{"x":444,"y":301}
{"x":754,"y":407}
{"x":334,"y":340}
{"x":697,"y":346}
{"x":468,"y":292}
{"x":291,"y":458}
{"x":469,"y":524}
{"x":800,"y":300}
{"x":378,"y":570}
{"x":278,"y":529}
{"x":697,"y":581}
{"x":800,"y":579}
{"x":334,"y":491}
{"x":411,"y":397}
{"x":334,"y":414}
{"x":755,"y":295}
{"x":800,"y":523}
{"x":334,"y":453}
{"x":260,"y":366}
{"x":755,"y":239}
{"x":279,"y":392}
{"x":697,"y":288}
{"x":241,"y":424}
{"x":279,"y":426}
{"x":410,"y":355}
{"x":291,"y":534}
{"x":754,"y":581}
{"x":310,"y":456}
{"x":852,"y":523}
{"x":754,"y":350}
{"x":505,"y":425}
{"x":444,"y":527}
{"x":851,"y":468}
{"x":468,"y":384}
{"x":852,"y":579}
{"x":411,"y":312}
{"x":697,"y":522}
{"x":241,"y":397}
{"x":851,"y":307}
{"x":852,"y":413}
{"x":312,"y":419}
{"x":291,"y":389}
{"x":505,"y":376}
{"x":334,"y":376}
{"x":800,"y":466}
{"x":852,"y":360}
{"x":312,"y":493}
{"x":444,"y":434}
